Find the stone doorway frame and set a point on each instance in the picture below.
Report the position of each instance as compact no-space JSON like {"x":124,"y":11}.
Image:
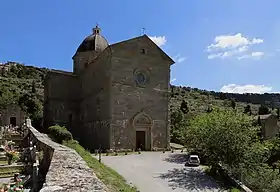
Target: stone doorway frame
{"x":148,"y":130}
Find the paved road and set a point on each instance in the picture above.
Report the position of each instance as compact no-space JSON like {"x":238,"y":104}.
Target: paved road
{"x":161,"y":172}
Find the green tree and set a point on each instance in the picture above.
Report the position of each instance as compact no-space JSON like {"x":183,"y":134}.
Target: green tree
{"x":222,"y":136}
{"x":33,"y":87}
{"x":209,"y":109}
{"x":6,"y":98}
{"x":176,"y":117}
{"x":248,"y":110}
{"x":233,"y":104}
{"x":263,"y":110}
{"x":32,"y":106}
{"x":184,"y":107}
{"x":278,"y":113}
{"x":177,"y":122}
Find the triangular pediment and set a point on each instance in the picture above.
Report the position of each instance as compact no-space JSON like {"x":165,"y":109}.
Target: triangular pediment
{"x":143,"y":42}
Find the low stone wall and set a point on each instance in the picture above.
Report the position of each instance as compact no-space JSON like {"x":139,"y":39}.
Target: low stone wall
{"x":233,"y":181}
{"x":63,"y":168}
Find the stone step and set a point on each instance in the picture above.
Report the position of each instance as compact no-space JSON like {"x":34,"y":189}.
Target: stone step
{"x":7,"y":175}
{"x":9,"y":169}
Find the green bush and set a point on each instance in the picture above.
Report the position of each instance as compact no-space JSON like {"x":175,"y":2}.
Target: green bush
{"x":60,"y":134}
{"x":234,"y":190}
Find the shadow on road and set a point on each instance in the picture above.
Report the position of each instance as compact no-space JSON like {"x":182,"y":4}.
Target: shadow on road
{"x":179,"y":158}
{"x":190,"y":179}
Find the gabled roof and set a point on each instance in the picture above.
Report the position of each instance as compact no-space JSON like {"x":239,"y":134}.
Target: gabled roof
{"x":169,"y":58}
{"x":146,"y":37}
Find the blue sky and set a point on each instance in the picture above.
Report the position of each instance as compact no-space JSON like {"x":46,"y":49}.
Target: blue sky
{"x":244,"y":57}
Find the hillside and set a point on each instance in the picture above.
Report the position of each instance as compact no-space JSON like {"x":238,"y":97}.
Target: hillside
{"x":24,"y":85}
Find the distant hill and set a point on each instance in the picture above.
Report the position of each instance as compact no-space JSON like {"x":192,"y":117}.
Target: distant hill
{"x":200,"y":100}
{"x":24,"y":85}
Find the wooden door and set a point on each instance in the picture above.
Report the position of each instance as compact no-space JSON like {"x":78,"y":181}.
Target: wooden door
{"x":140,"y":140}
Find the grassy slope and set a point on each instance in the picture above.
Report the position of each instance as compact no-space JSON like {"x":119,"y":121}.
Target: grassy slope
{"x":107,"y":175}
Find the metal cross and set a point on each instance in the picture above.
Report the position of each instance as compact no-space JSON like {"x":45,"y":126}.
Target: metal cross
{"x":143,"y":30}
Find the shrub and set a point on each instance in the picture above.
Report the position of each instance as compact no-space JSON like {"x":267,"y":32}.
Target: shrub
{"x":59,"y":133}
{"x":234,"y":190}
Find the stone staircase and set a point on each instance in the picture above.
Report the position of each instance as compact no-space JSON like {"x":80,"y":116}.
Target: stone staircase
{"x":6,"y":170}
{"x":10,"y":170}
{"x":3,"y":157}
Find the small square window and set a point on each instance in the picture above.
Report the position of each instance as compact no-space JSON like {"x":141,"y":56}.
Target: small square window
{"x":143,"y":51}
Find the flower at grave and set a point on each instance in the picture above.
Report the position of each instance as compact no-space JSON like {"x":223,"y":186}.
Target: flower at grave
{"x":12,"y":155}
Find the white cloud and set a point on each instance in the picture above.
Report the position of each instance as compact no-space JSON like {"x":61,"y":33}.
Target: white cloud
{"x":179,"y":58}
{"x":228,"y":53}
{"x":233,"y":88}
{"x":172,"y":80}
{"x":232,"y":41}
{"x":253,"y":55}
{"x":231,"y":45}
{"x":159,"y":40}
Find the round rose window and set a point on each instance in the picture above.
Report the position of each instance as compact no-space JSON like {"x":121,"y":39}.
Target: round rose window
{"x":140,"y":78}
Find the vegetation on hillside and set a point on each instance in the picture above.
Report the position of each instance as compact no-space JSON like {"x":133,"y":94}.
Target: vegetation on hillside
{"x":23,"y":85}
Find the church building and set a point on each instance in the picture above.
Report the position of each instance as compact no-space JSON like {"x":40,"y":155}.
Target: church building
{"x":116,"y":97}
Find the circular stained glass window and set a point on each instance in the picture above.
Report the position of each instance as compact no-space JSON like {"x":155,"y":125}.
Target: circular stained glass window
{"x":140,"y":78}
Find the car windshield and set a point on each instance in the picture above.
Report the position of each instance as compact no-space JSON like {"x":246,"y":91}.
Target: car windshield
{"x":193,"y":158}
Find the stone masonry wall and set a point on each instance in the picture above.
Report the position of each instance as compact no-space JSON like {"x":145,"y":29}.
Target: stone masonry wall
{"x":94,"y":128}
{"x":59,"y":100}
{"x":129,"y":99}
{"x":66,"y":170}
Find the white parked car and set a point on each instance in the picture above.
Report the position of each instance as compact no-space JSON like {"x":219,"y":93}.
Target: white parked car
{"x":193,"y":160}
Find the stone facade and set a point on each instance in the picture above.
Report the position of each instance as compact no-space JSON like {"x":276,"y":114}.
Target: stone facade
{"x":12,"y":115}
{"x":115,"y":98}
{"x":269,"y":125}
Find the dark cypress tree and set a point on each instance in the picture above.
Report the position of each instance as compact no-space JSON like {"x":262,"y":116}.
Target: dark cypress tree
{"x":259,"y":121}
{"x":232,"y":103}
{"x":184,"y":107}
{"x":247,"y":110}
{"x":33,"y":87}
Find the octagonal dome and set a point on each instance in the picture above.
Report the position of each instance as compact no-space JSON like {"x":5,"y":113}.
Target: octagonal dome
{"x":94,"y":42}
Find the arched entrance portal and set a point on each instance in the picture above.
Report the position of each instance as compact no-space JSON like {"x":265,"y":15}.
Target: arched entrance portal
{"x":142,"y":124}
